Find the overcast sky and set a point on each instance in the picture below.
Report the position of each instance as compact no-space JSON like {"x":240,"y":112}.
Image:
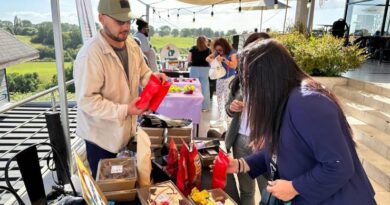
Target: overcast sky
{"x":225,"y":16}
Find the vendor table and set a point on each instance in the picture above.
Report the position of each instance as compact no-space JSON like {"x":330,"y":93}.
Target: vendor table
{"x":183,"y":106}
{"x":171,"y":73}
{"x":186,"y":81}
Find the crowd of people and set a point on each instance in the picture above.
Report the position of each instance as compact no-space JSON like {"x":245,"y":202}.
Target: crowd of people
{"x":287,"y":130}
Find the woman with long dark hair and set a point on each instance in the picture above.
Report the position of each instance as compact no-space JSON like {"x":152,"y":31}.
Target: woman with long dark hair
{"x":303,"y":132}
{"x":237,"y":135}
{"x":200,"y":68}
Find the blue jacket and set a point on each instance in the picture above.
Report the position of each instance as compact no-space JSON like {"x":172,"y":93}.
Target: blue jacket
{"x":317,"y":154}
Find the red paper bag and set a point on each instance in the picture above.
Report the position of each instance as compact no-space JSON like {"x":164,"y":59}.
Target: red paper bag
{"x":148,"y":92}
{"x":172,"y":161}
{"x":219,"y":171}
{"x":194,"y":169}
{"x":159,"y":96}
{"x":182,"y":174}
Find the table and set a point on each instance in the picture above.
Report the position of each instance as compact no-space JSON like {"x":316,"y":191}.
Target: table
{"x":183,"y":106}
{"x":184,"y":81}
{"x":171,"y":73}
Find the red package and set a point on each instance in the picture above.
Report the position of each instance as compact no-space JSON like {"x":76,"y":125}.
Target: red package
{"x":148,"y":92}
{"x":194,"y":169}
{"x":219,"y":171}
{"x":159,"y":96}
{"x":182,"y":174}
{"x":172,"y":161}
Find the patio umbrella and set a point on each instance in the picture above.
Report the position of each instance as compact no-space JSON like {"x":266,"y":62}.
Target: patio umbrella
{"x":267,"y":6}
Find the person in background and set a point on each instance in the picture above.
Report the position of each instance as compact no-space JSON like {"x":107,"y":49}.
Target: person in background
{"x":302,"y":130}
{"x":107,"y":73}
{"x":200,"y":68}
{"x":237,"y":135}
{"x":223,"y":53}
{"x":142,"y":34}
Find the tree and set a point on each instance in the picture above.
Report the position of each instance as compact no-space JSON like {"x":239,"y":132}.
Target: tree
{"x":185,"y":32}
{"x":17,"y":25}
{"x":175,"y":32}
{"x":164,"y":30}
{"x":208,"y":32}
{"x":151,"y":30}
{"x":22,"y":83}
{"x":231,"y":32}
{"x":26,"y":23}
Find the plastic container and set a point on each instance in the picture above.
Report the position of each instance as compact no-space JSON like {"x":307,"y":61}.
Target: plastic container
{"x":162,"y":192}
{"x":217,"y":195}
{"x":119,"y":196}
{"x":117,"y":174}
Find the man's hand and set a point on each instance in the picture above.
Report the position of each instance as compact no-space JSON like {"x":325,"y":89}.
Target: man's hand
{"x":236,"y":106}
{"x":282,"y":189}
{"x":161,"y":76}
{"x":132,"y":109}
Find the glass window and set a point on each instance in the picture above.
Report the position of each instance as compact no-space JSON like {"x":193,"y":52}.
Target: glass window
{"x":365,"y":17}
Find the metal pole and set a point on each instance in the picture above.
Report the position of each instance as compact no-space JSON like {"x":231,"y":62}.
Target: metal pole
{"x":147,"y":13}
{"x":384,"y":18}
{"x":55,"y":12}
{"x":285,"y":17}
{"x":261,"y":19}
{"x":309,"y":24}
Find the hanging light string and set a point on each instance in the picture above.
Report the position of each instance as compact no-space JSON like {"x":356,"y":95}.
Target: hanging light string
{"x":239,"y":8}
{"x":212,"y":10}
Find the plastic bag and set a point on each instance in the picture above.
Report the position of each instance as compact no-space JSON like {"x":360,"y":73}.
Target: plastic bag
{"x":148,"y":92}
{"x":216,"y":70}
{"x":219,"y":171}
{"x":144,"y":164}
{"x":172,"y":161}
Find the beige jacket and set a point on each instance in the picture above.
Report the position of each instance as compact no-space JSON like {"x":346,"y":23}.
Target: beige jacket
{"x":103,"y":92}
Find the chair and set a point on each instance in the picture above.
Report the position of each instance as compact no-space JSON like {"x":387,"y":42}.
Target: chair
{"x":30,"y":170}
{"x":18,"y":199}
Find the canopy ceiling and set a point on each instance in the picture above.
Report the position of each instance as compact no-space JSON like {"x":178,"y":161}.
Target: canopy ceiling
{"x":211,"y":2}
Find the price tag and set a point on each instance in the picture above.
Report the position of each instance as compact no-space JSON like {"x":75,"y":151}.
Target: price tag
{"x":116,"y":169}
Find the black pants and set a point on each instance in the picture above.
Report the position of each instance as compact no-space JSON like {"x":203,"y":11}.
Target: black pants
{"x":94,"y":154}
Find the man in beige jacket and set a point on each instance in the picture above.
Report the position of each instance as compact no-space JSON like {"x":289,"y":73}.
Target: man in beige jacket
{"x":108,"y":71}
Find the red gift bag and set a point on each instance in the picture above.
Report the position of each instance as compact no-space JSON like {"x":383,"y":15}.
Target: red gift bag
{"x":148,"y":92}
{"x":172,"y":161}
{"x":182,"y":174}
{"x":159,"y":96}
{"x":219,"y":171}
{"x":194,"y":169}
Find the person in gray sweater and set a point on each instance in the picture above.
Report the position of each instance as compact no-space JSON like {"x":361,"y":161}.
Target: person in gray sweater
{"x":237,"y":135}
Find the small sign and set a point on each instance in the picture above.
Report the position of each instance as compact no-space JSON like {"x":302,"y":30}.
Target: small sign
{"x":116,"y":169}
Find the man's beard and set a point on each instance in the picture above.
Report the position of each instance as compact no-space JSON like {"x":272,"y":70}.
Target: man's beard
{"x":115,"y":38}
{"x":146,"y":34}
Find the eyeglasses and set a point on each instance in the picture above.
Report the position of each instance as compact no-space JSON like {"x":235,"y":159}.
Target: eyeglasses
{"x":121,"y":23}
{"x":219,"y":50}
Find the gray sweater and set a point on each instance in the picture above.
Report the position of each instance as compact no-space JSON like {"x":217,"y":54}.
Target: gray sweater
{"x":234,"y":126}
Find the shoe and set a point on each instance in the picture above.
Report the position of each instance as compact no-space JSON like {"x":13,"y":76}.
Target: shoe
{"x":216,"y":123}
{"x":205,"y":110}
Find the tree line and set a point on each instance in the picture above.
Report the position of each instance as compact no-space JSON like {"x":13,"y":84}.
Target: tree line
{"x":189,"y":32}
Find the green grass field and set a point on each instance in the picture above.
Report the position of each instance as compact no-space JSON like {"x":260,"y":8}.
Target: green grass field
{"x":45,"y":70}
{"x":27,"y":40}
{"x":180,"y":42}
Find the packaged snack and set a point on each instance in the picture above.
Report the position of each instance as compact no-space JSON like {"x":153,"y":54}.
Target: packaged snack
{"x":219,"y":171}
{"x":172,"y":160}
{"x":194,"y":168}
{"x":182,"y":173}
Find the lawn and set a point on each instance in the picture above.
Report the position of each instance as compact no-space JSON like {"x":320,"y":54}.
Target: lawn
{"x":180,"y":42}
{"x":27,"y":40}
{"x":45,"y":70}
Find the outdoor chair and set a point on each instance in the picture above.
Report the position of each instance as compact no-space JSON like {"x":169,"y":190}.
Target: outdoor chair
{"x":18,"y":199}
{"x":29,"y":167}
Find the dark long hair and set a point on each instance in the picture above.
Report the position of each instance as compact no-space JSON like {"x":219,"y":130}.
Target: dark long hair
{"x":227,"y":48}
{"x":269,"y":76}
{"x":235,"y":84}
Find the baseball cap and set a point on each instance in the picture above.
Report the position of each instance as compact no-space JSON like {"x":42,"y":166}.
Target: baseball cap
{"x":117,"y":9}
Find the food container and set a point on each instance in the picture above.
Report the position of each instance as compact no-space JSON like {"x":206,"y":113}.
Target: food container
{"x":164,"y":192}
{"x":207,"y":155}
{"x":217,"y":196}
{"x":118,"y":196}
{"x":177,"y":134}
{"x":116,"y":174}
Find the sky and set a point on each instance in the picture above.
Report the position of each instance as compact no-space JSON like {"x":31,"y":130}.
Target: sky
{"x":226,"y":17}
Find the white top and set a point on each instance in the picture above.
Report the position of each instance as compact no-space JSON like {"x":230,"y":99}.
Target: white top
{"x":244,"y":130}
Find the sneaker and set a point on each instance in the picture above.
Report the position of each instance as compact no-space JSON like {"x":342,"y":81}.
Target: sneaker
{"x":205,"y":110}
{"x":216,"y":123}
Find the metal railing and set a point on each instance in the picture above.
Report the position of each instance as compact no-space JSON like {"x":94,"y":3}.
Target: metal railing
{"x":9,"y":107}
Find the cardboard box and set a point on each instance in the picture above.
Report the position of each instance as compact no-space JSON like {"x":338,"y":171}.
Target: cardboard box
{"x":156,"y":135}
{"x":119,"y":196}
{"x":162,"y":191}
{"x":217,"y":195}
{"x":116,"y":174}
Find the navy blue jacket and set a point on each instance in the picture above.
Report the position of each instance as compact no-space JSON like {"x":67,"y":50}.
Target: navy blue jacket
{"x":317,"y":154}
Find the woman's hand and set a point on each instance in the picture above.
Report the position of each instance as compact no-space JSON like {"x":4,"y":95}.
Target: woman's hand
{"x":282,"y":189}
{"x":236,"y":106}
{"x":219,"y":58}
{"x":232,"y":168}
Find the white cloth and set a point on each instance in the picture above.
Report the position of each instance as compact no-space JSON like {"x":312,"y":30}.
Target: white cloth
{"x":103,"y":92}
{"x":244,"y":129}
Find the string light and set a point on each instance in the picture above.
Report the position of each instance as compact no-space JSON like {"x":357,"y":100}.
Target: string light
{"x":154,"y":11}
{"x":193,"y":20}
{"x":159,"y":16}
{"x":212,"y":10}
{"x":239,"y":8}
{"x":308,"y":4}
{"x":276,"y":4}
{"x":168,"y":13}
{"x":178,"y":11}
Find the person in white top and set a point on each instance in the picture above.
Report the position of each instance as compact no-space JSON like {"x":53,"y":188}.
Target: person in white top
{"x":108,"y":70}
{"x":142,"y":34}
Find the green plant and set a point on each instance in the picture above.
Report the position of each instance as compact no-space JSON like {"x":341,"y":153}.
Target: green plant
{"x":322,"y":56}
{"x":68,"y":76}
{"x":22,"y":83}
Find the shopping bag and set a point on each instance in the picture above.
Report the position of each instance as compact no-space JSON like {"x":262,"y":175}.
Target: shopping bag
{"x":144,"y":165}
{"x":172,"y":161}
{"x":220,"y":170}
{"x":216,"y":70}
{"x":148,"y":92}
{"x":159,"y":96}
